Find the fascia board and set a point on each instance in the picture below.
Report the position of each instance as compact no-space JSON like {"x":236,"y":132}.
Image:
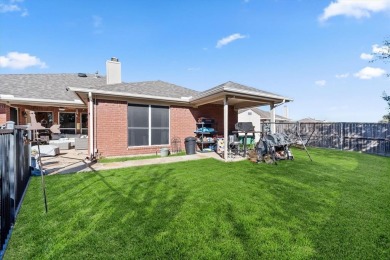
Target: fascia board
{"x":121,"y":94}
{"x":242,"y":93}
{"x":17,"y":100}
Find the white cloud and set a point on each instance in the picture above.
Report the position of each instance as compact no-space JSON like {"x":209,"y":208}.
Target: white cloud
{"x":369,"y":73}
{"x":366,"y":56}
{"x":16,"y":60}
{"x":354,"y":8}
{"x":380,"y":49}
{"x":6,"y":8}
{"x":320,"y":83}
{"x":229,"y":39}
{"x":97,"y":23}
{"x":13,"y":6}
{"x":342,"y":76}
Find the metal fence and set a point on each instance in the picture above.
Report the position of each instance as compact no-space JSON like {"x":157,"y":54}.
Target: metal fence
{"x":14,"y":174}
{"x":373,"y":138}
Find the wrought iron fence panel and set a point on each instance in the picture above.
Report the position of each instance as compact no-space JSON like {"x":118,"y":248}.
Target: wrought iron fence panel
{"x":14,"y":174}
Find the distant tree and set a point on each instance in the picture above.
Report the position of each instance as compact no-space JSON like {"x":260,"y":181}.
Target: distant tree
{"x":386,"y":118}
{"x":383,"y":54}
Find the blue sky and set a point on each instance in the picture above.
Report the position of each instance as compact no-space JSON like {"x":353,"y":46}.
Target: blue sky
{"x":316,"y":52}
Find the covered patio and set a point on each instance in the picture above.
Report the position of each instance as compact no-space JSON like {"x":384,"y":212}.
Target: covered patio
{"x":231,"y":94}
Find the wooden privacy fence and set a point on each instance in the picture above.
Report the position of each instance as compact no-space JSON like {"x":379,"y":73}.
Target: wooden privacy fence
{"x":371,"y":138}
{"x":14,"y":176}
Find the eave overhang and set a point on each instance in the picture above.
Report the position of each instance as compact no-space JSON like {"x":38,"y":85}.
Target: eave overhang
{"x":83,"y":92}
{"x":11,"y":100}
{"x":239,"y":98}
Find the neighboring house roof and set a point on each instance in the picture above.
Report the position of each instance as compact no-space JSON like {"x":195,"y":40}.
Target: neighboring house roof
{"x":20,"y":88}
{"x":264,"y":114}
{"x":310,"y":120}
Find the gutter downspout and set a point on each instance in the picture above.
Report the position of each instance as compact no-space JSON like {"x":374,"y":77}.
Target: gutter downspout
{"x":90,"y":127}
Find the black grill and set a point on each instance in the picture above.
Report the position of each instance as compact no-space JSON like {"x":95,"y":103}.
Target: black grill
{"x":244,"y":126}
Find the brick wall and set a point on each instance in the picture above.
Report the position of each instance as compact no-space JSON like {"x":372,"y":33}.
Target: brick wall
{"x":4,"y":114}
{"x":111,"y":122}
{"x":182,"y":123}
{"x":111,"y":127}
{"x":216,"y":112}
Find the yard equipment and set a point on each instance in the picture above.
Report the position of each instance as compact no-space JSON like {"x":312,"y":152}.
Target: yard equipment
{"x":274,"y":147}
{"x":292,"y":135}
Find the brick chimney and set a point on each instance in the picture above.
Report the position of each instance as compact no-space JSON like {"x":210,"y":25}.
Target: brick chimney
{"x":113,"y":71}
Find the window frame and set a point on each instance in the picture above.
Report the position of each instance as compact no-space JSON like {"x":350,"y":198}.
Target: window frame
{"x":149,"y":126}
{"x":49,"y":124}
{"x":81,"y":123}
{"x":67,"y":128}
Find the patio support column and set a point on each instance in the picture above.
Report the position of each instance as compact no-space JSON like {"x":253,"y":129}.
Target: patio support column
{"x":225,"y":127}
{"x":272,"y":112}
{"x":90,"y":126}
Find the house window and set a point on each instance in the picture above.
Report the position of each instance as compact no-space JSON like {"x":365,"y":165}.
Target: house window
{"x":68,"y":123}
{"x":84,"y":123}
{"x":45,"y":118}
{"x":147,"y":125}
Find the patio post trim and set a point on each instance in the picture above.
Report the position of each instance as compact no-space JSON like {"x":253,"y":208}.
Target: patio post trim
{"x":225,"y":127}
{"x":272,"y":112}
{"x":90,"y":127}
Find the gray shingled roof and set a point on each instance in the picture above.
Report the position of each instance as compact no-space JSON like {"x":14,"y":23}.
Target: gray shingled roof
{"x":150,"y":88}
{"x":232,"y":86}
{"x":46,"y":86}
{"x":310,"y":120}
{"x":53,"y":87}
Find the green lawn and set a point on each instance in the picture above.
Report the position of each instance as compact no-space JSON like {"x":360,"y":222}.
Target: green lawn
{"x":336,"y":207}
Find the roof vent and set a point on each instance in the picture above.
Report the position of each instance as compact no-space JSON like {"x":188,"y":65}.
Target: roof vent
{"x":82,"y":75}
{"x":114,"y":59}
